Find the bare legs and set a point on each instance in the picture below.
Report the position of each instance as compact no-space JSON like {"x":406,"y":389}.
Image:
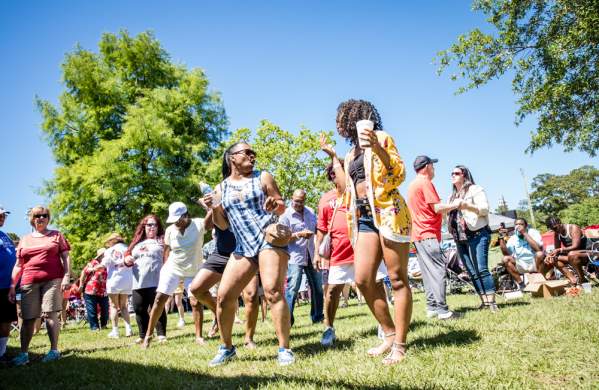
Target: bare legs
{"x":331,"y":303}
{"x":238,"y":273}
{"x":52,"y":325}
{"x":178,"y":298}
{"x":250,"y":300}
{"x":369,"y":250}
{"x":119,"y":301}
{"x":197,"y":312}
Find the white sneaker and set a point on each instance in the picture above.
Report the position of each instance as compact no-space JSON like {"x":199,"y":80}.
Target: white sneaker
{"x":450,"y":315}
{"x":114,"y":334}
{"x":431,"y":314}
{"x":128,"y":332}
{"x":181,"y":323}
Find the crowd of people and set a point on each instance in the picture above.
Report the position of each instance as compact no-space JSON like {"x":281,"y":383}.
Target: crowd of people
{"x":360,"y":234}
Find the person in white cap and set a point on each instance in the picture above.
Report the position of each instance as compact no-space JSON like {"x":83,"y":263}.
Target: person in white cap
{"x":8,"y":258}
{"x":183,"y":242}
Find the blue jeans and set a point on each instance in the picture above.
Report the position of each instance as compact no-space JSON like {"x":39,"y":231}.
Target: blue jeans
{"x":477,"y":249}
{"x":294,"y":280}
{"x":91,"y":303}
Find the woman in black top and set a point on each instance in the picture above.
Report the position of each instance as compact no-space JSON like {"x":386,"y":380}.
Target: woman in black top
{"x":212,"y":272}
{"x":570,"y":248}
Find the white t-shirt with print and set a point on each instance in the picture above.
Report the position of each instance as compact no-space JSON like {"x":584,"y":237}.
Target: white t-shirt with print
{"x":120,"y":277}
{"x":185,"y":256}
{"x":148,"y":261}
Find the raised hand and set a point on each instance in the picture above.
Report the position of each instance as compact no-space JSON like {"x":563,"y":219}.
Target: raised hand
{"x":326,"y":147}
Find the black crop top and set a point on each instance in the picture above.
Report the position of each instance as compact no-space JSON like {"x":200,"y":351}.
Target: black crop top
{"x":356,"y":169}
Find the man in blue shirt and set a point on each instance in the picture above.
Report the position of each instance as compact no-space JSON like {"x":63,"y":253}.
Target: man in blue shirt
{"x":523,"y":251}
{"x":302,"y":221}
{"x":8,"y":258}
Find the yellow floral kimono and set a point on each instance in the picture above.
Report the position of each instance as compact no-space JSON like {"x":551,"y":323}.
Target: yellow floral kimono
{"x":391,"y":215}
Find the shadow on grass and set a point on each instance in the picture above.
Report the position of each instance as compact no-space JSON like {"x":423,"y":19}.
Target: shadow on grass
{"x":505,"y":305}
{"x":453,"y":337}
{"x":350,"y":315}
{"x":75,"y":372}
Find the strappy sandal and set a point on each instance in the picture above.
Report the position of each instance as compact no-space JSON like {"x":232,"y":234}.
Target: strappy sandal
{"x":396,"y":354}
{"x":381,"y":349}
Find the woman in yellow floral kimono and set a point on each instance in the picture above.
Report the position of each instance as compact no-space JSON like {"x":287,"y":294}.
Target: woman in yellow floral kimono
{"x":378,"y":221}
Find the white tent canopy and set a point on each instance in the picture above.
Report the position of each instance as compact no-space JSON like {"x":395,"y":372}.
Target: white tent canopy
{"x":496,"y":219}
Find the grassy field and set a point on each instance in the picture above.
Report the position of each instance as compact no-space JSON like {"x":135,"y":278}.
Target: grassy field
{"x":531,"y":343}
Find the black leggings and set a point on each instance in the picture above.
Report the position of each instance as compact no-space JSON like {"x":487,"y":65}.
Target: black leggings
{"x":142,"y":300}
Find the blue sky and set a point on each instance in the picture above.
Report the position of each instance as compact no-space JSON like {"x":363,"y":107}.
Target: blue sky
{"x":288,"y":62}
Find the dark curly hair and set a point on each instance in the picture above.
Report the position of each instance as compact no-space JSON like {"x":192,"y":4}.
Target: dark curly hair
{"x":351,"y":111}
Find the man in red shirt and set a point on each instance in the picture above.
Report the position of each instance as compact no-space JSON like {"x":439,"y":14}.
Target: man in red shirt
{"x":426,"y":210}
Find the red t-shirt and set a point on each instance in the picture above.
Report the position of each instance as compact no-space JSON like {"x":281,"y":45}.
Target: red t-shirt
{"x":341,"y":249}
{"x":422,"y":196}
{"x":40,"y":257}
{"x":95,"y":281}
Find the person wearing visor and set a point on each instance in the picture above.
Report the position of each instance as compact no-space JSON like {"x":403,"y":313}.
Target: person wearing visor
{"x":183,"y":242}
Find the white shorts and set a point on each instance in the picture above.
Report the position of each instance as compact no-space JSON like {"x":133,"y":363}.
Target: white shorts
{"x":346,"y":273}
{"x":524,"y":267}
{"x":168,"y":282}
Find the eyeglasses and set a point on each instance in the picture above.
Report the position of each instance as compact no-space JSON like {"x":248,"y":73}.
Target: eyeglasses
{"x":456,"y":174}
{"x":151,"y":225}
{"x":40,"y":216}
{"x":247,"y":152}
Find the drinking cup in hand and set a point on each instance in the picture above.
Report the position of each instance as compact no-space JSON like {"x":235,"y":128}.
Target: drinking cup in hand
{"x":363,"y":126}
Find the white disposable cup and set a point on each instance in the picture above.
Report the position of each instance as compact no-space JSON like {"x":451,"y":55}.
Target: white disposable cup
{"x":361,"y":126}
{"x":586,"y":287}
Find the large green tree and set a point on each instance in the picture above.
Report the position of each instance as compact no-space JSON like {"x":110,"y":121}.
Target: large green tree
{"x":131,"y":133}
{"x":554,"y":193}
{"x":552,"y":50}
{"x":583,"y":214}
{"x":294,"y":160}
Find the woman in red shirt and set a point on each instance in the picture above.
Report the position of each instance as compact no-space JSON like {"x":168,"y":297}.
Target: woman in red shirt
{"x":43,"y":266}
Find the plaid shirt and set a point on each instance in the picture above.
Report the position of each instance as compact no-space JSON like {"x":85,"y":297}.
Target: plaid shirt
{"x":243,"y":204}
{"x":95,"y":281}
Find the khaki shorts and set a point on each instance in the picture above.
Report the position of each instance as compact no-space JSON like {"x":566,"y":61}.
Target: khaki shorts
{"x":42,"y":297}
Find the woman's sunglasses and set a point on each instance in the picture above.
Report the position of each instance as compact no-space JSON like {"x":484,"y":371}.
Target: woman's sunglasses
{"x":40,"y":216}
{"x":456,"y":174}
{"x":151,"y":225}
{"x":247,"y":152}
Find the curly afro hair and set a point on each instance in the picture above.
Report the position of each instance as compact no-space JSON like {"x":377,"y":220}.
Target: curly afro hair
{"x":351,"y":111}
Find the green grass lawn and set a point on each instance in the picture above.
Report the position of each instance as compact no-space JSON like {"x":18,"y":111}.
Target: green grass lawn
{"x":531,"y":343}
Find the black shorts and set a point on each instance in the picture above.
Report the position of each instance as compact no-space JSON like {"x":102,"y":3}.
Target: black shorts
{"x":216,"y":262}
{"x":8,"y":310}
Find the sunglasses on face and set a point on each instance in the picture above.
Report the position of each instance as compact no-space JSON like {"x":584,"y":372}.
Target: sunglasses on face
{"x":246,"y":152}
{"x":40,"y":216}
{"x":456,"y":174}
{"x":151,"y":225}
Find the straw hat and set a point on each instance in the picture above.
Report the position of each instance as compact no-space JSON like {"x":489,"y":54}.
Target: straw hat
{"x":114,"y":237}
{"x":100,"y":252}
